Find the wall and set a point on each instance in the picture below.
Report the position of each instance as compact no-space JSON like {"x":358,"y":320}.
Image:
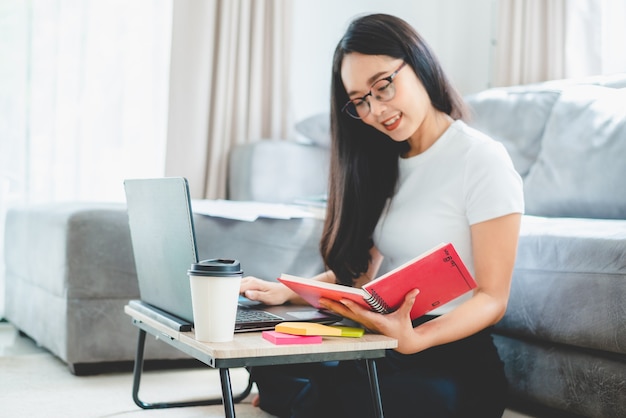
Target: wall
{"x":459,"y":31}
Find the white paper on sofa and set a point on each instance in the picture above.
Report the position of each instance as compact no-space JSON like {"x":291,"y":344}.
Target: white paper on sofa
{"x":249,"y":211}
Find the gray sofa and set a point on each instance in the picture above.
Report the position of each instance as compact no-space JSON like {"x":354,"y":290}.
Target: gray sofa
{"x":563,"y":338}
{"x":69,"y":269}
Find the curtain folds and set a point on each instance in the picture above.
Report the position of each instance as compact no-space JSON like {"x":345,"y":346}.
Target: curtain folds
{"x":531,"y":41}
{"x":539,"y":40}
{"x":228,"y":85}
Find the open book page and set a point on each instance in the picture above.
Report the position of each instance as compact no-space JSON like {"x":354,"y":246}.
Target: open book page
{"x":313,"y":290}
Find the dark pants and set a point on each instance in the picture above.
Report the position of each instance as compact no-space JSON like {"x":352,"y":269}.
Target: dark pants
{"x":460,"y":379}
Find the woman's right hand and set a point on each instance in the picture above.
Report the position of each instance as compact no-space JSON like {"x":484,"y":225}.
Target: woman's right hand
{"x":266,"y":292}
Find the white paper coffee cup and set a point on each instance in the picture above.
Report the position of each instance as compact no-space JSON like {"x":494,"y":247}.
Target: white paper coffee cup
{"x":215,"y":287}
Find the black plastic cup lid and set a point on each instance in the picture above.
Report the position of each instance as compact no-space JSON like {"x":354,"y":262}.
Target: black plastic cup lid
{"x":216,"y":267}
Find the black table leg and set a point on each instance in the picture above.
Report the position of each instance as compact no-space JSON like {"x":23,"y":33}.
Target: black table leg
{"x":227,"y":394}
{"x":374,"y":387}
{"x":138,"y":369}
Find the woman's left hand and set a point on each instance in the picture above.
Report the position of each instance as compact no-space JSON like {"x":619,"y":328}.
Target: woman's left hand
{"x":395,"y":325}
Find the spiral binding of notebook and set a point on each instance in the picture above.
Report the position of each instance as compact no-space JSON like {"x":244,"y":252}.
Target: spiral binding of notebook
{"x":377,"y":303}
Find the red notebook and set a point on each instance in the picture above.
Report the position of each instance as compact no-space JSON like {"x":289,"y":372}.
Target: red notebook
{"x":439,"y":274}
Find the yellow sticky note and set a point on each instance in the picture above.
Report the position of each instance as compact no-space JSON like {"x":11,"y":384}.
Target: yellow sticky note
{"x":350,"y":331}
{"x":306,"y":328}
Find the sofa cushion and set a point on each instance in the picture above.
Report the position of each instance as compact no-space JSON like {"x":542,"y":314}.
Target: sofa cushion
{"x":61,"y":237}
{"x":277,"y":171}
{"x":582,"y":383}
{"x":580,"y":170}
{"x":315,"y":130}
{"x":569,"y":283}
{"x":516,"y":117}
{"x":572,"y":244}
{"x":266,"y":247}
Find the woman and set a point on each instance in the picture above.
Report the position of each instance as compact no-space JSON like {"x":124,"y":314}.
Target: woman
{"x":406,"y":174}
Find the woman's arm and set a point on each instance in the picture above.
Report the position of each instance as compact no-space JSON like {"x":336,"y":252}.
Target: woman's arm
{"x":494,"y":245}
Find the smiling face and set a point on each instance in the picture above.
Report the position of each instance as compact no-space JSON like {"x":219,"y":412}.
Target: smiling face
{"x":409,"y":115}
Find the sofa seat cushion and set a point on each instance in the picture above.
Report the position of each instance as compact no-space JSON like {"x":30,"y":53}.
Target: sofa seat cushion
{"x":572,"y":245}
{"x":569,"y":283}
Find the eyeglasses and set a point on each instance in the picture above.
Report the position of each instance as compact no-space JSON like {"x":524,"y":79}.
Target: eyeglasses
{"x":383,"y":90}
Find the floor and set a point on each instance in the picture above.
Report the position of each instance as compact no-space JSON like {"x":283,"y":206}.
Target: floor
{"x":11,"y":344}
{"x":50,"y":393}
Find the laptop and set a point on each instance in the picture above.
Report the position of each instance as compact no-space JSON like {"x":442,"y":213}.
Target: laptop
{"x":162,"y":233}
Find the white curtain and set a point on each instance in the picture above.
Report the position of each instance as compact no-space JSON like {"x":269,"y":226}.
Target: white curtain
{"x":86,"y":96}
{"x":228,"y":85}
{"x":539,"y":40}
{"x":83,"y":99}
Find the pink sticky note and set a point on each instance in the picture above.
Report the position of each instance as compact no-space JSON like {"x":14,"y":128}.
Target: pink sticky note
{"x":280,"y":338}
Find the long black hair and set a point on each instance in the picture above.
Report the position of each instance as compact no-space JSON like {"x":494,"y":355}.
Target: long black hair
{"x":364,"y":161}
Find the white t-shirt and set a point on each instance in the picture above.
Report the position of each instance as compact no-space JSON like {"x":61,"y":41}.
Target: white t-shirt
{"x":464,"y":178}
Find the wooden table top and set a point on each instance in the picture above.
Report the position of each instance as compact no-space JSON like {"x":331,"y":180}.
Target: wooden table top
{"x":252,"y":344}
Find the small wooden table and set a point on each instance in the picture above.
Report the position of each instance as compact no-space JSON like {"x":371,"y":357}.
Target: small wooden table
{"x":250,"y":349}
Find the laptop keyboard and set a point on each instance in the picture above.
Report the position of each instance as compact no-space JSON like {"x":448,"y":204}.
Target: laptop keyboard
{"x":251,"y":315}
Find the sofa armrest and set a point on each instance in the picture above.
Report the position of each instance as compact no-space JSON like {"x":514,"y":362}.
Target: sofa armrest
{"x":277,"y":171}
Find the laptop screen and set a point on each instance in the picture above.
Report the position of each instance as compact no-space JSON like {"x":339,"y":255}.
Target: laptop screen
{"x":163,"y":239}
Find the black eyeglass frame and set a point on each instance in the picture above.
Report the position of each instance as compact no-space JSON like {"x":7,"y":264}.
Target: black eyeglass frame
{"x":389,"y":78}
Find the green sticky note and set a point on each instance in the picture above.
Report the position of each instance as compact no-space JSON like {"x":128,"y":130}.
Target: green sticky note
{"x":350,"y":331}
